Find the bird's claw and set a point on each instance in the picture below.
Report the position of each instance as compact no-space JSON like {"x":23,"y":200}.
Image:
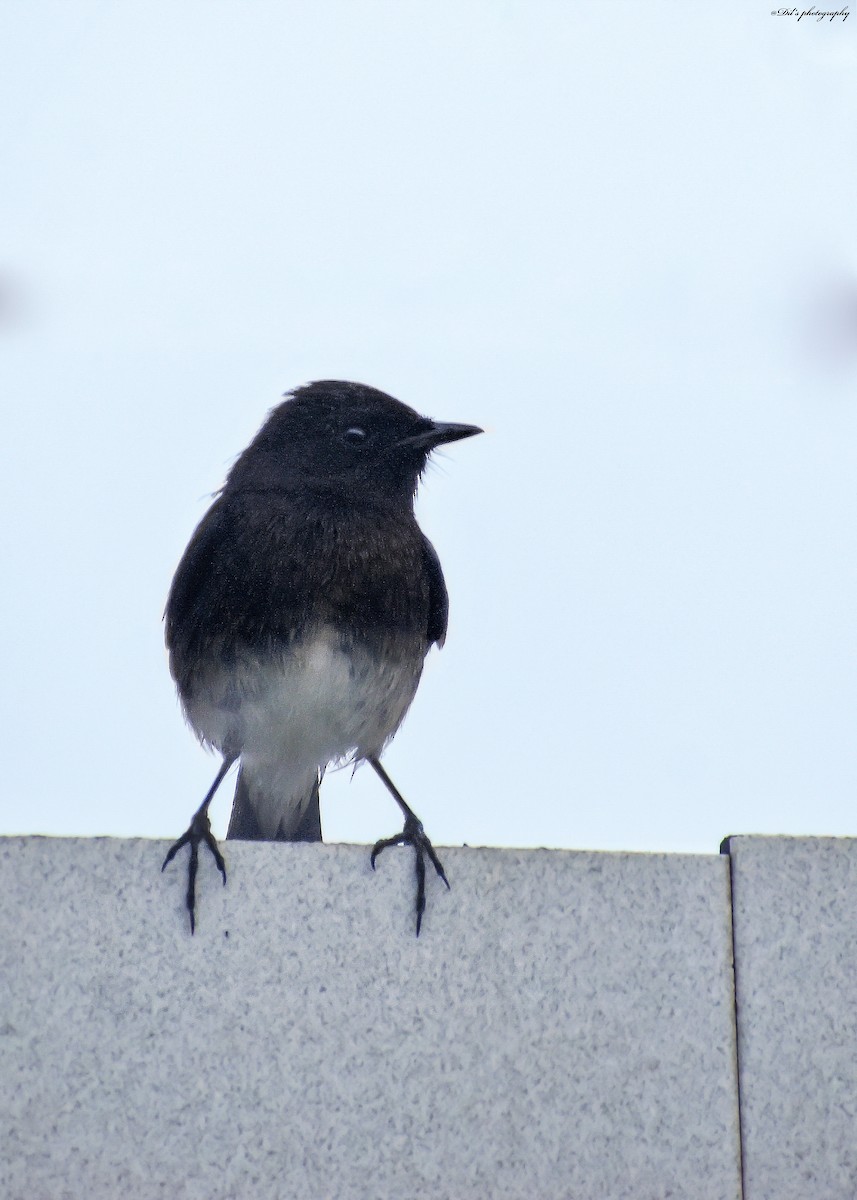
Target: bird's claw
{"x":198,"y":832}
{"x":415,"y":836}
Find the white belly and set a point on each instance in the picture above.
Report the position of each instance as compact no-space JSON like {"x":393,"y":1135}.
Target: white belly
{"x":311,"y":706}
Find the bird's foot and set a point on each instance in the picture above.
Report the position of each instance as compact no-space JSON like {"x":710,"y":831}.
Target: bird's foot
{"x":198,"y":832}
{"x":414,"y":835}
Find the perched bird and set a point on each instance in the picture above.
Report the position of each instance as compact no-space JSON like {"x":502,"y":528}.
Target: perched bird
{"x":302,"y":610}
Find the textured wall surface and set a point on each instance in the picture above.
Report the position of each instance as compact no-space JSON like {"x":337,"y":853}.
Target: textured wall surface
{"x":564,"y":1027}
{"x":795,"y":914}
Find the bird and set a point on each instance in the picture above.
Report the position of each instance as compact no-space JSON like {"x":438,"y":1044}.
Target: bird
{"x":300,"y":614}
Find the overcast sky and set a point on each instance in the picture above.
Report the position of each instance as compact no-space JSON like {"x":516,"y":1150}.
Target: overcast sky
{"x":621,"y":237}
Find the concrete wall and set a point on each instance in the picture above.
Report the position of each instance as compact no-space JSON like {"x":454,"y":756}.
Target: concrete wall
{"x":564,"y":1026}
{"x":795,"y":920}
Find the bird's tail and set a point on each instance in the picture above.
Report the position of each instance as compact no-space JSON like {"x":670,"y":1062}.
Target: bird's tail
{"x":301,"y":823}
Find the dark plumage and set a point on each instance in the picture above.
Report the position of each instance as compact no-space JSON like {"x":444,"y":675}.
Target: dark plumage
{"x":304,"y":605}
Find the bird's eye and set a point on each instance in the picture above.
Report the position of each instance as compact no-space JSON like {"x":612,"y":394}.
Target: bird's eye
{"x":355,"y":436}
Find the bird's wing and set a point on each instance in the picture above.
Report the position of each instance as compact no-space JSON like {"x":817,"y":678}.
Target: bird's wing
{"x":438,"y":596}
{"x":191,"y":573}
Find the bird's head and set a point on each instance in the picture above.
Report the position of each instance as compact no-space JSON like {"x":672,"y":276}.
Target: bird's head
{"x":345,"y":436}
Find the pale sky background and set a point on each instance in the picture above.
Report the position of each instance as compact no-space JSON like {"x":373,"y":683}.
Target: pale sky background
{"x":621,"y":236}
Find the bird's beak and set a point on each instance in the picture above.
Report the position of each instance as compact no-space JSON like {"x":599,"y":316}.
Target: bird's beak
{"x":439,"y":433}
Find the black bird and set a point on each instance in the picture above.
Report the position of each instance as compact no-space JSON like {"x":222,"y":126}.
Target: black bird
{"x":302,"y":610}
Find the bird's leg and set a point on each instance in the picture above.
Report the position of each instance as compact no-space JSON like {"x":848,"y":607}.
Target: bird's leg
{"x":413,"y":835}
{"x":199,"y":831}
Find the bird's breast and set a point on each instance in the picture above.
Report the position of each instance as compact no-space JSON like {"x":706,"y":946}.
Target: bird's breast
{"x":319,"y":700}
